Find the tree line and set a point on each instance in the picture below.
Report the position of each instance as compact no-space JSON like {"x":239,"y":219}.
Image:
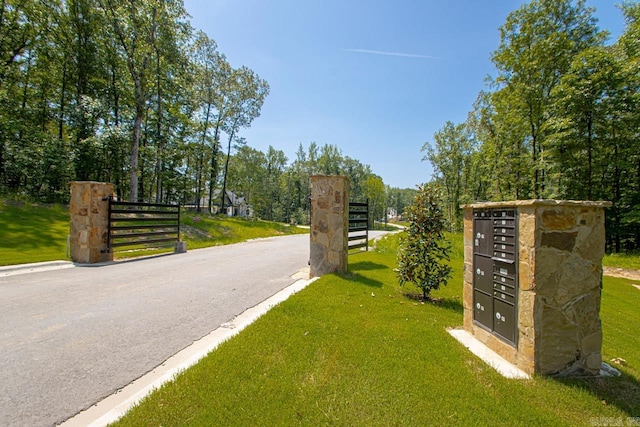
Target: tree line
{"x":128,"y":92}
{"x":278,"y":189}
{"x":120,"y":91}
{"x":559,"y":119}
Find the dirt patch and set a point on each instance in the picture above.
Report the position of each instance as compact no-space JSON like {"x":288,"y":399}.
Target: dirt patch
{"x":193,"y":232}
{"x":621,"y":272}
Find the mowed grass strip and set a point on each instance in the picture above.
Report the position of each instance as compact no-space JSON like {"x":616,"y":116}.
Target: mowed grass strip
{"x":357,"y":350}
{"x":622,"y":260}
{"x":32,"y":232}
{"x":205,"y":230}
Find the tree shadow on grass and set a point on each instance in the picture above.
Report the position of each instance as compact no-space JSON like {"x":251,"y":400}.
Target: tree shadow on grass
{"x":453,"y":304}
{"x":623,"y":392}
{"x":366,"y":266}
{"x":359,"y":278}
{"x":353,"y":275}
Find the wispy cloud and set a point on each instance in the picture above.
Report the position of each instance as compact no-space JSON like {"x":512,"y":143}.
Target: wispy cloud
{"x":379,"y":52}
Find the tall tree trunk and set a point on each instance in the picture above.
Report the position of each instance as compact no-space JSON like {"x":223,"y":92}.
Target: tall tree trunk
{"x":534,"y":153}
{"x":135,"y":144}
{"x":63,"y":91}
{"x":213,"y":172}
{"x":226,"y":166}
{"x":200,"y":174}
{"x":159,"y":133}
{"x":589,"y":154}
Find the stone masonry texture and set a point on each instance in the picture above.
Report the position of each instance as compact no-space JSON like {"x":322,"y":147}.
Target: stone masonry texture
{"x":89,"y":217}
{"x":329,"y":224}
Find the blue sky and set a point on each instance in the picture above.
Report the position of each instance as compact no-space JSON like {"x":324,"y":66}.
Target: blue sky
{"x":375,"y":78}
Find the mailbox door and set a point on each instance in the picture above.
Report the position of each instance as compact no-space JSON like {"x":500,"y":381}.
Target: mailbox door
{"x":483,"y":309}
{"x":504,"y":320}
{"x":483,"y":274}
{"x":483,"y":232}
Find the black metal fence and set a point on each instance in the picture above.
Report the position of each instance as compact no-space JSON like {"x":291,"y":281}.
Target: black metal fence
{"x":136,"y":225}
{"x":359,"y":225}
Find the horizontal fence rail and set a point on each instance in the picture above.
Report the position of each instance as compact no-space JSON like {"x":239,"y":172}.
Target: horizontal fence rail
{"x":136,"y":225}
{"x":359,"y":225}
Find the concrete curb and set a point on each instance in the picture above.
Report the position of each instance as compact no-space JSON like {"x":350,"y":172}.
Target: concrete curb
{"x":487,"y":355}
{"x":115,"y":406}
{"x":12,"y":270}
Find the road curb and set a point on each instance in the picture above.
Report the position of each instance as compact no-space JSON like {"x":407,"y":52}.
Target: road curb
{"x":12,"y":270}
{"x":113,"y":407}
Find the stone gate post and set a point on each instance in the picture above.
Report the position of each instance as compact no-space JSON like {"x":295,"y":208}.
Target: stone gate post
{"x":89,"y":212}
{"x":329,"y":224}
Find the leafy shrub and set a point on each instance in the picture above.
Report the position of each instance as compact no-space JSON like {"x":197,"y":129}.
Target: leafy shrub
{"x":424,"y":250}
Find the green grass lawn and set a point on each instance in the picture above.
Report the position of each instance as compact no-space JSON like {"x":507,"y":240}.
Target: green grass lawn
{"x":204,"y":230}
{"x":628,"y":261}
{"x":357,"y":349}
{"x":31,"y":232}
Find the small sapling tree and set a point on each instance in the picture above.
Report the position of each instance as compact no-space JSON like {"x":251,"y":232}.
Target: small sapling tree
{"x":424,"y":251}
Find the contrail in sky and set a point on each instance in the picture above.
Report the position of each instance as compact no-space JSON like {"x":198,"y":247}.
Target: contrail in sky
{"x":379,"y":52}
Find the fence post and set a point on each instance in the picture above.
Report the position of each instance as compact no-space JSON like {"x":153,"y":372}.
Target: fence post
{"x":89,"y":217}
{"x":329,"y":225}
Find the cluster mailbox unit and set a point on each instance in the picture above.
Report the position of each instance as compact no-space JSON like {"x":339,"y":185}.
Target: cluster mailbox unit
{"x":495,"y":284}
{"x":532,"y":282}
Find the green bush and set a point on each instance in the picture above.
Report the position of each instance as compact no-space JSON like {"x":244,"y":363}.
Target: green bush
{"x":424,"y":250}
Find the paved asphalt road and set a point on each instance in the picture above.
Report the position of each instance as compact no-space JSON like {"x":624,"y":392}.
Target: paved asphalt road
{"x":69,"y":338}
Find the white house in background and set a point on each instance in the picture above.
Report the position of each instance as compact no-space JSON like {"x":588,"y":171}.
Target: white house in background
{"x":234,"y":205}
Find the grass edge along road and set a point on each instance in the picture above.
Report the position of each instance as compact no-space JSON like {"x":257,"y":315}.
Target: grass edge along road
{"x":34,"y":232}
{"x":355,"y":349}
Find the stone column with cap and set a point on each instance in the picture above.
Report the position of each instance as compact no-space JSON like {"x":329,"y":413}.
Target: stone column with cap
{"x":329,"y":225}
{"x":89,"y":212}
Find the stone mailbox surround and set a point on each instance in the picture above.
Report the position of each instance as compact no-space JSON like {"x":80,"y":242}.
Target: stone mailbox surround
{"x":560,"y":248}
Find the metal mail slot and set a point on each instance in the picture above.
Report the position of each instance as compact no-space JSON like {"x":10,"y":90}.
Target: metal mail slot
{"x":503,"y":231}
{"x":504,"y":296}
{"x":504,"y":280}
{"x":483,"y":309}
{"x":507,"y":222}
{"x":504,"y":320}
{"x":504,"y":269}
{"x":504,"y":213}
{"x":503,"y":247}
{"x":482,"y":270}
{"x":509,"y":240}
{"x":508,"y":256}
{"x":481,"y":214}
{"x":499,"y":287}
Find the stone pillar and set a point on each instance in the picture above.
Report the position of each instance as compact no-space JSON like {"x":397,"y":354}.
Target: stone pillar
{"x":329,"y":224}
{"x":560,"y":245}
{"x":89,"y":211}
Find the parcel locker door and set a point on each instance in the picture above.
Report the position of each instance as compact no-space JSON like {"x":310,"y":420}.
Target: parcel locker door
{"x":483,"y":274}
{"x":483,"y":309}
{"x":483,"y":232}
{"x":504,"y":320}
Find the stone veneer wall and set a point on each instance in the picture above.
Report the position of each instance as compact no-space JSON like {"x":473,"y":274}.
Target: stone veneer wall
{"x":561,"y":244}
{"x":89,"y":213}
{"x":329,"y":224}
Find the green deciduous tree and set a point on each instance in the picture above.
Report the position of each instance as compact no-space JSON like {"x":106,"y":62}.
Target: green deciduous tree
{"x":450,"y":155}
{"x":538,"y":42}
